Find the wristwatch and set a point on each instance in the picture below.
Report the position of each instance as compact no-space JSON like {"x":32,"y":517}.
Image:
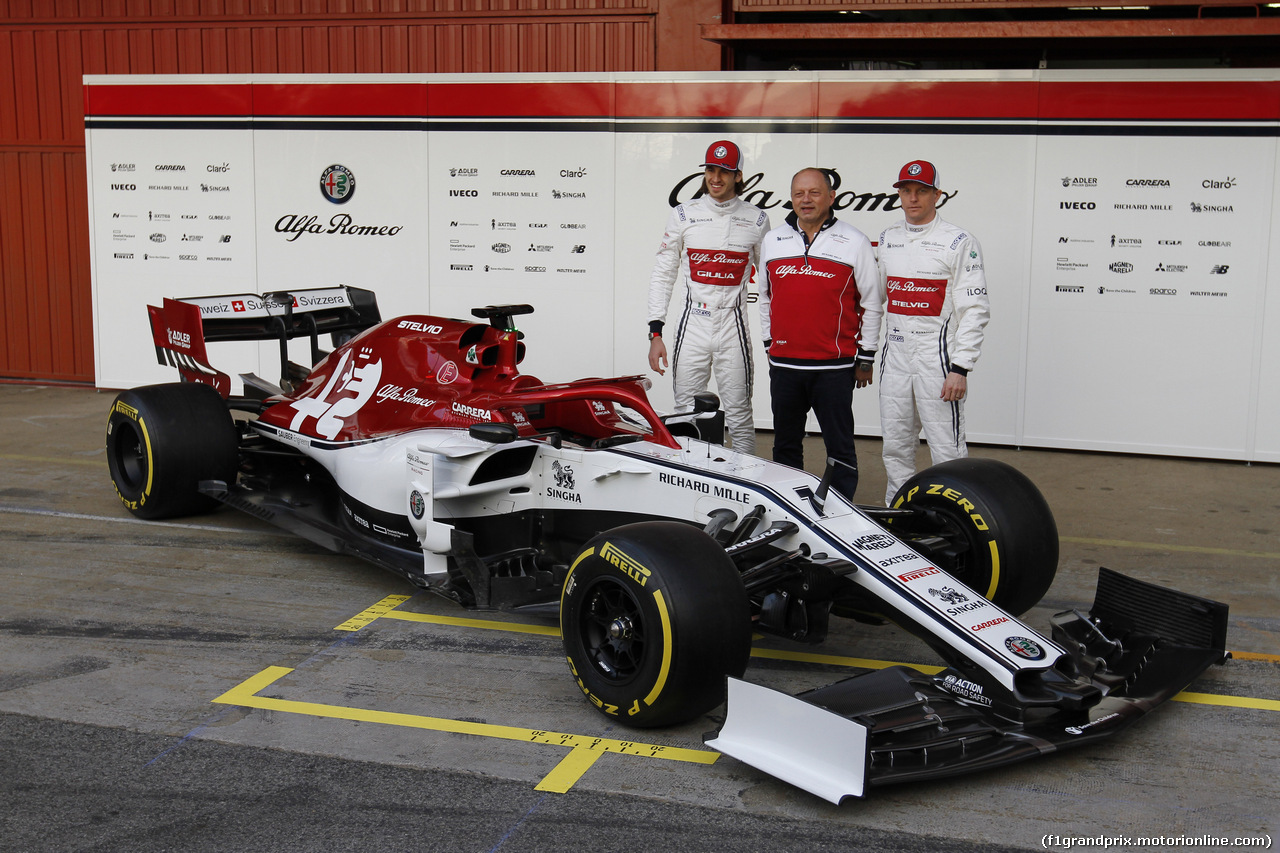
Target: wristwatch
{"x":653,"y":335}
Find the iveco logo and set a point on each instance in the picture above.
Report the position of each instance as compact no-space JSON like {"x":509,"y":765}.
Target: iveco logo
{"x":465,"y":193}
{"x":129,"y":187}
{"x":1076,"y":205}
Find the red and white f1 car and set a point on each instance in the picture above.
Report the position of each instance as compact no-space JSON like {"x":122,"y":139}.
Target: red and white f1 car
{"x":417,"y":444}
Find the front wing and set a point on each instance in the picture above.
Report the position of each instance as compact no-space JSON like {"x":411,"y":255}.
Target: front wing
{"x":1140,"y":645}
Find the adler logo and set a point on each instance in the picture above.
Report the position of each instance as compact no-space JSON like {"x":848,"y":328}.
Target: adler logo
{"x":179,"y":339}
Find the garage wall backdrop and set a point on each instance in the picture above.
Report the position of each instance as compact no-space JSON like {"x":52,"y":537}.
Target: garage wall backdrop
{"x":1126,"y":218}
{"x":46,"y":46}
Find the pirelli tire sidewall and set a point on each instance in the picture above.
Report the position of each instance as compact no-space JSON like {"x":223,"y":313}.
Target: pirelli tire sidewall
{"x":1013,"y":539}
{"x":682,"y":618}
{"x":162,"y":440}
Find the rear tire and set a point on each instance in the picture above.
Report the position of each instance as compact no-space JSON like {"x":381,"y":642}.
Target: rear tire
{"x":162,"y":440}
{"x":654,"y":616}
{"x":1009,"y":539}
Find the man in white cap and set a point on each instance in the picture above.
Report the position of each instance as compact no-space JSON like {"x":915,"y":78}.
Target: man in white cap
{"x":936,"y":310}
{"x":711,"y":244}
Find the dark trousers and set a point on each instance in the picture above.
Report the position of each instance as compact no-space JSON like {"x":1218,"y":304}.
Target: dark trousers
{"x":830,"y":394}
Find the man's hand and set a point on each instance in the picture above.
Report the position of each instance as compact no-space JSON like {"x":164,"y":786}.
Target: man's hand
{"x":658,"y":356}
{"x":863,"y":374}
{"x":954,"y":387}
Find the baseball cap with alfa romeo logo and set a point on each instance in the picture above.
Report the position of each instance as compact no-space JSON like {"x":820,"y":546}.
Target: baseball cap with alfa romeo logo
{"x":919,"y":171}
{"x":724,"y":154}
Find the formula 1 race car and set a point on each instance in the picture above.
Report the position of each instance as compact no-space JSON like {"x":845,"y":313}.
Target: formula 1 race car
{"x":417,"y":445}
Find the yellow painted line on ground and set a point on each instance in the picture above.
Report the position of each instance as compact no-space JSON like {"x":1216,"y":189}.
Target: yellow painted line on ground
{"x":54,"y":460}
{"x":385,"y":609}
{"x":487,"y":624}
{"x":1255,"y":656}
{"x":369,"y":614}
{"x":584,"y":750}
{"x":1228,"y":701}
{"x":1165,"y":546}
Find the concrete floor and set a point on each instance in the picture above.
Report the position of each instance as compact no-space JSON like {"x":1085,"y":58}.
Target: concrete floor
{"x":111,"y":627}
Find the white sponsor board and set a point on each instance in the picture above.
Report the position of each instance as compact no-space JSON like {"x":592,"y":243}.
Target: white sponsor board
{"x":1129,"y":244}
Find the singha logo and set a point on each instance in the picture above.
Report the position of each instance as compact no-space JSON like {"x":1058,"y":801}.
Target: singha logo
{"x":563,"y":475}
{"x":949,"y":595}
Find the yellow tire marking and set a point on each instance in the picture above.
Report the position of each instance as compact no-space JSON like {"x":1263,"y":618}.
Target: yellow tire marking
{"x":377,"y":611}
{"x":560,"y":779}
{"x":569,"y":770}
{"x":665,"y":669}
{"x":150,"y":468}
{"x":995,"y":570}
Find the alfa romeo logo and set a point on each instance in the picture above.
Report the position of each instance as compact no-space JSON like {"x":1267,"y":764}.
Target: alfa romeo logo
{"x":1023,"y":647}
{"x":721,"y":151}
{"x":914,"y":169}
{"x":338,"y":184}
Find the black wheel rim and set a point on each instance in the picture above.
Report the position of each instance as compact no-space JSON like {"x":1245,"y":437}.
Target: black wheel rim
{"x":612,"y":630}
{"x":130,"y":456}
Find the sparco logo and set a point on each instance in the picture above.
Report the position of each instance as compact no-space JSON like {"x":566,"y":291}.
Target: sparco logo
{"x":1088,"y":183}
{"x":1121,"y":267}
{"x":1162,"y":291}
{"x":1146,"y":182}
{"x":167,"y":168}
{"x":465,"y":193}
{"x":1077,"y":205}
{"x":527,"y":172}
{"x":873,"y":541}
{"x":535,"y":269}
{"x":1211,"y":184}
{"x":337,"y":184}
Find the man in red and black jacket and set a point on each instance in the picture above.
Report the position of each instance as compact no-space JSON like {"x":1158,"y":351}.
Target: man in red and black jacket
{"x":821,"y":303}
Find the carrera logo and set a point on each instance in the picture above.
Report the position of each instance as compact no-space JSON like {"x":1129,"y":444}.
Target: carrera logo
{"x":171,"y":168}
{"x":470,"y":411}
{"x":1147,"y":182}
{"x":523,"y":172}
{"x":990,"y":623}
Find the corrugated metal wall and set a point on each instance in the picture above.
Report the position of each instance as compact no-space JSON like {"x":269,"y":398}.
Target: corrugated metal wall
{"x":47,"y":45}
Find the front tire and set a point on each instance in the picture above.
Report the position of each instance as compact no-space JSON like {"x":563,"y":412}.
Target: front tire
{"x":1008,"y":539}
{"x":162,"y":440}
{"x":654,"y":616}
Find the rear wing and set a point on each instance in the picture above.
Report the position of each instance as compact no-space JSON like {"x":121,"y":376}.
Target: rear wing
{"x":181,"y":327}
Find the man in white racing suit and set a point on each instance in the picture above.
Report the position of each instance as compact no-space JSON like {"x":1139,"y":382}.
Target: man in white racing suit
{"x":711,"y":244}
{"x":935,"y":310}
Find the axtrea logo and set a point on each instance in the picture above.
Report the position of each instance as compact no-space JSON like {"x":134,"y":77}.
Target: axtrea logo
{"x":337,"y":184}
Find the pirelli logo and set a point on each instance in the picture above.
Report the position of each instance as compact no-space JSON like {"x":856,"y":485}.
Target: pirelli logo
{"x":128,"y":411}
{"x":919,"y":573}
{"x":628,"y":565}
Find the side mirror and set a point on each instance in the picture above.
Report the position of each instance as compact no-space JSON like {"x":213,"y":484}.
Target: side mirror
{"x":705,"y":401}
{"x":499,"y":433}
